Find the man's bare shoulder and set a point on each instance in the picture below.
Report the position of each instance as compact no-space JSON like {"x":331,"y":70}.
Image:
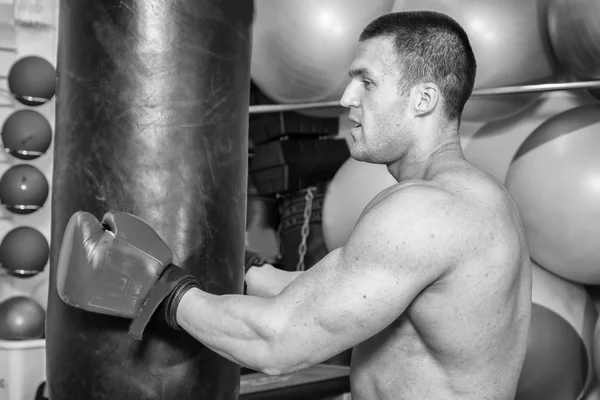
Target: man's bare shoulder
{"x":426,"y":200}
{"x":464,"y":198}
{"x":418,"y":225}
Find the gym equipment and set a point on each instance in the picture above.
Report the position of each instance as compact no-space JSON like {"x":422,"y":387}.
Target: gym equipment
{"x":477,"y":93}
{"x":152,"y":119}
{"x":302,"y":49}
{"x":492,"y":146}
{"x":554,"y":178}
{"x":269,"y":126}
{"x":24,"y":189}
{"x":293,"y":163}
{"x":32,"y":80}
{"x":301,"y":237}
{"x":26,"y":134}
{"x":574,"y":28}
{"x":354,"y":185}
{"x":516,"y":56}
{"x":24,"y":252}
{"x":21,"y":318}
{"x":559,"y":360}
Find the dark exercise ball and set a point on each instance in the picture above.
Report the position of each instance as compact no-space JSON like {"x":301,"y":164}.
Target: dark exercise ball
{"x":559,"y":360}
{"x":26,"y":134}
{"x":23,"y":189}
{"x":24,"y":252}
{"x":32,"y":80}
{"x":42,"y":392}
{"x":21,"y":318}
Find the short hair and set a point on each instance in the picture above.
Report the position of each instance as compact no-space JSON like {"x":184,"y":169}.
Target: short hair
{"x":432,"y":47}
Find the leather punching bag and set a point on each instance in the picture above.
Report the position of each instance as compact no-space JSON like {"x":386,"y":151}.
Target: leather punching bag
{"x":152,"y":119}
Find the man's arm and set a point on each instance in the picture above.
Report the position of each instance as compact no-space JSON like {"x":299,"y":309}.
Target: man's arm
{"x":398,"y":248}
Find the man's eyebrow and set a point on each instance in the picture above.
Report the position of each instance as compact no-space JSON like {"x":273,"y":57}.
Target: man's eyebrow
{"x":364,"y":72}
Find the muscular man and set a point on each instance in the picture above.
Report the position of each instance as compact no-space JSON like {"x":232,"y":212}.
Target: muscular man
{"x":433,"y":288}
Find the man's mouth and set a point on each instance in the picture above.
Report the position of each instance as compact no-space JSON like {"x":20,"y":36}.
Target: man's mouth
{"x":357,"y":124}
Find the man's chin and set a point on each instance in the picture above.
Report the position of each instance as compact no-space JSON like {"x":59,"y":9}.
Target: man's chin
{"x":356,"y":153}
{"x":362,"y":155}
{"x":359,"y":155}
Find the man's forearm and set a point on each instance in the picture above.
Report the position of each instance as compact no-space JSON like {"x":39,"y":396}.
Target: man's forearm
{"x":239,"y":328}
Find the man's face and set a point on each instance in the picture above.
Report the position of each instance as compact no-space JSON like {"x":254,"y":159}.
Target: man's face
{"x":376,"y":105}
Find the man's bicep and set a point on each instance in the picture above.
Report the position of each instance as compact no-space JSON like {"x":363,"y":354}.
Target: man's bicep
{"x":393,"y":254}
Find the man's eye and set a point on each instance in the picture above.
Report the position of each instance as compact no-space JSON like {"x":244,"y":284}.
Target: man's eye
{"x":367,"y":83}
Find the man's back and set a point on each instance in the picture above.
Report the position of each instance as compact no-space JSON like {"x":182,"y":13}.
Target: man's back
{"x":464,"y":336}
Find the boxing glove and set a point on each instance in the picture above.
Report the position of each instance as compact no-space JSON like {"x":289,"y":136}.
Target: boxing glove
{"x":120,"y":267}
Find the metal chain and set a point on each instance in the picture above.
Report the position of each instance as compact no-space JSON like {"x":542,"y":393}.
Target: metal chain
{"x":305,"y":231}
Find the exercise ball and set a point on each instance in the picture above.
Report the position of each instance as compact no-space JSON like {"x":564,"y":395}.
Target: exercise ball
{"x":492,"y":146}
{"x":559,"y":360}
{"x":574,"y":27}
{"x":302,"y":49}
{"x":24,"y":189}
{"x":32,"y":80}
{"x":21,"y":318}
{"x":42,"y":392}
{"x":554,"y":178}
{"x":24,"y":252}
{"x":26,"y":134}
{"x":510,"y":45}
{"x":353,"y":186}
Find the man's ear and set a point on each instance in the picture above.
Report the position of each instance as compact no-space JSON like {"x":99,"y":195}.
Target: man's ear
{"x":426,"y":97}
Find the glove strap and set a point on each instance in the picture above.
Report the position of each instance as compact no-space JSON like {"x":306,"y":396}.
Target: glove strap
{"x":172,"y":278}
{"x":172,"y":303}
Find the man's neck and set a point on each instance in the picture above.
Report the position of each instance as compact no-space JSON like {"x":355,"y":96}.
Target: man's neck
{"x":418,"y":163}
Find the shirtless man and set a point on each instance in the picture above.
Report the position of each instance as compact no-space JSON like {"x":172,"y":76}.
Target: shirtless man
{"x":433,"y":288}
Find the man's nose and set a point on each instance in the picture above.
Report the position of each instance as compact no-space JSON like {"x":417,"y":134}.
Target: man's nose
{"x":349,"y":98}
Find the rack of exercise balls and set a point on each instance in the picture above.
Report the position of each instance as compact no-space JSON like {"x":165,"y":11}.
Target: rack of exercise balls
{"x":24,"y":249}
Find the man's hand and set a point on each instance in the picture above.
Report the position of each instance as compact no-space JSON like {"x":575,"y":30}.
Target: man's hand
{"x":266,"y":280}
{"x":120,"y":267}
{"x":253,"y":259}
